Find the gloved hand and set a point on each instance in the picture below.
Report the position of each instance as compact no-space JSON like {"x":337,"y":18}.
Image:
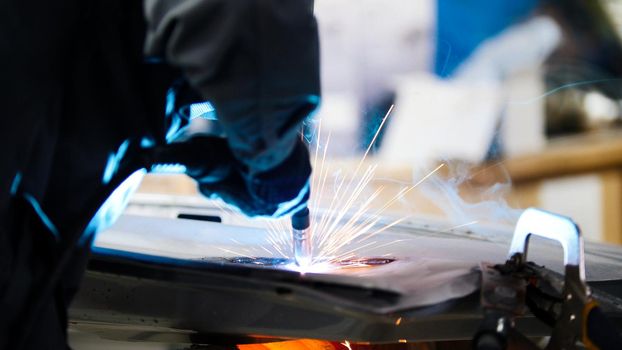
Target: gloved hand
{"x":261,"y":90}
{"x":273,"y":193}
{"x":209,"y":160}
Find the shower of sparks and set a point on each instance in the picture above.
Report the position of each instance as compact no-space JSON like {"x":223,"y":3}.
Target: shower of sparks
{"x":348,"y":225}
{"x":347,"y":345}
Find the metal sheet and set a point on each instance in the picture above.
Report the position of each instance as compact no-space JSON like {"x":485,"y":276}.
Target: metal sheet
{"x":149,"y":280}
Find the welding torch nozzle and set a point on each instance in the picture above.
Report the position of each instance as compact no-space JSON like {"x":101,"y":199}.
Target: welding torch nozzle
{"x":300,"y":231}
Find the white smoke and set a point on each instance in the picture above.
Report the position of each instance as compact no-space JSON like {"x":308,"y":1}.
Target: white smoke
{"x":463,"y":198}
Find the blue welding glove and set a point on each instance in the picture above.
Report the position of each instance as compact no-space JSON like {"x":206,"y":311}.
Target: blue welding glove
{"x":220,"y":174}
{"x":261,"y":90}
{"x":272,"y":193}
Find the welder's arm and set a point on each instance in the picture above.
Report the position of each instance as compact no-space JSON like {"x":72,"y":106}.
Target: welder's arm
{"x":257,"y":62}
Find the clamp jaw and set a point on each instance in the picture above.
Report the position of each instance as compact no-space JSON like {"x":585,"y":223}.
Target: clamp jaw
{"x":564,"y":303}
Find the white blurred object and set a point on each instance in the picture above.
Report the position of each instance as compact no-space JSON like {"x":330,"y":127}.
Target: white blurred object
{"x":435,"y":119}
{"x":614,"y":8}
{"x":457,"y":119}
{"x":520,"y":47}
{"x":523,"y":127}
{"x":600,"y":108}
{"x":365,"y":45}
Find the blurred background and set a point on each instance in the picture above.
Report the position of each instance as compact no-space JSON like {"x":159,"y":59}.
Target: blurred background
{"x":520,"y":101}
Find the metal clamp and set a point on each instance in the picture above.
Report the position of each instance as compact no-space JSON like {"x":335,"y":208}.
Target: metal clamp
{"x":552,"y":226}
{"x":569,"y":324}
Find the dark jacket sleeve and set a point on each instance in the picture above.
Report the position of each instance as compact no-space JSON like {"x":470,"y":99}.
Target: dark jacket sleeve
{"x":256,"y":61}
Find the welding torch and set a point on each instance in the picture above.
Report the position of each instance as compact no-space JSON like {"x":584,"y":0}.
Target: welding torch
{"x":300,"y":234}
